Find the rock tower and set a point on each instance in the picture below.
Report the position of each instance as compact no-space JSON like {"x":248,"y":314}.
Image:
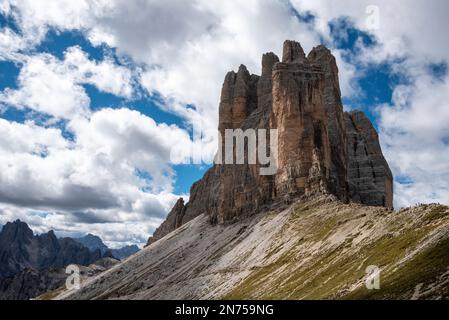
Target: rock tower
{"x":321,"y":148}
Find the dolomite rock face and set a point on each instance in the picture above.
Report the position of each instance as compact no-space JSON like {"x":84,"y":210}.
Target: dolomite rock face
{"x":335,"y":120}
{"x":369,"y":177}
{"x":292,"y":52}
{"x":228,"y":192}
{"x":300,"y":116}
{"x":321,"y":150}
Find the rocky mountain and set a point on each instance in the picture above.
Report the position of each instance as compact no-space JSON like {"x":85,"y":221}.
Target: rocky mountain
{"x":322,"y":150}
{"x":20,"y":249}
{"x":30,"y":283}
{"x":314,"y":230}
{"x":94,"y":242}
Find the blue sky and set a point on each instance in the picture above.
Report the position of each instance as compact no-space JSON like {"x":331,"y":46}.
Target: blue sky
{"x":56,"y":43}
{"x":93,"y":101}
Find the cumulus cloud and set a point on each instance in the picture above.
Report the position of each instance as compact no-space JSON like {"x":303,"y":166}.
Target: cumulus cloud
{"x":417,"y":34}
{"x":415,"y":134}
{"x":413,"y":127}
{"x":186,"y":47}
{"x":117,"y":168}
{"x":54,"y":87}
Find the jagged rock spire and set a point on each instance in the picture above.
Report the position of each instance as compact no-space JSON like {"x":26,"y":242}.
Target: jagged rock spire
{"x":268,"y":61}
{"x":321,"y":149}
{"x":292,"y":52}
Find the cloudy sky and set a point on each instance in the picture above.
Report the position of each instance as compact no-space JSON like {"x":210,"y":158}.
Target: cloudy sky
{"x":98,"y":98}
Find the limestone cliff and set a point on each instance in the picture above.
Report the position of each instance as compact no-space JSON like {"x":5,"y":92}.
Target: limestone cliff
{"x":322,"y":149}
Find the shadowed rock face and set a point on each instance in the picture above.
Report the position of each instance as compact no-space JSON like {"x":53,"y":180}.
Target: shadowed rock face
{"x":21,"y":249}
{"x":369,"y":177}
{"x":335,"y":120}
{"x":30,"y":283}
{"x":322,"y":150}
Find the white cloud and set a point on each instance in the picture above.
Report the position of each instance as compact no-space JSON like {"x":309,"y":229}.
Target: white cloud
{"x":415,"y":134}
{"x":44,"y":88}
{"x":413,"y":128}
{"x":133,"y":139}
{"x":29,"y":138}
{"x":186,"y":46}
{"x":10,"y":44}
{"x":92,"y":180}
{"x":54,"y":87}
{"x":413,"y":27}
{"x":105,"y":75}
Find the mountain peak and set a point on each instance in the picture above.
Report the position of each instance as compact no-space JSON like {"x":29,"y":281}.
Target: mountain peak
{"x":292,"y":52}
{"x":22,"y":249}
{"x":92,"y":236}
{"x":321,"y":149}
{"x":17,"y":231}
{"x":92,"y":242}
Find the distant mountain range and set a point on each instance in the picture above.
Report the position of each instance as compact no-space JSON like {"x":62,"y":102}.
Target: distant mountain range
{"x":30,"y":283}
{"x":94,"y":242}
{"x":33,"y":264}
{"x":20,"y":249}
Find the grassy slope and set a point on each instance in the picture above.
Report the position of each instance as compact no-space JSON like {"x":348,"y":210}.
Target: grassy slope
{"x":336,"y":269}
{"x":318,"y":249}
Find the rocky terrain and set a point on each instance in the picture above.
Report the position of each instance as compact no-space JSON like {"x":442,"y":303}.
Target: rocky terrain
{"x":322,"y":150}
{"x":20,"y":249}
{"x":33,"y":264}
{"x":86,"y":272}
{"x":313,"y":249}
{"x":30,"y":283}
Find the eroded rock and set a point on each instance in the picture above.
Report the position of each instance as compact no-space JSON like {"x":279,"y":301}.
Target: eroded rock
{"x":322,"y":150}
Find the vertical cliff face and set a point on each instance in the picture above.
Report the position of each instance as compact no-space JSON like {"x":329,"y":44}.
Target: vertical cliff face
{"x":300,"y":116}
{"x":238,"y":99}
{"x":369,"y":177}
{"x":335,"y":120}
{"x":321,"y":149}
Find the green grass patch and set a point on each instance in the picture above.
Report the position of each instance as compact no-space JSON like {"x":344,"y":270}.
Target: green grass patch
{"x":423,"y":268}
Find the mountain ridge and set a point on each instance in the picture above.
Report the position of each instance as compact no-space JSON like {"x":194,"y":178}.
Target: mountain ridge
{"x":33,"y":264}
{"x":316,"y":248}
{"x":93,"y":242}
{"x":21,"y":249}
